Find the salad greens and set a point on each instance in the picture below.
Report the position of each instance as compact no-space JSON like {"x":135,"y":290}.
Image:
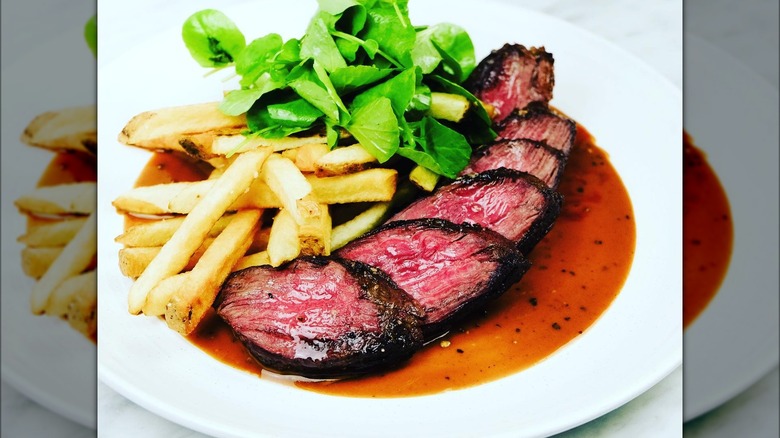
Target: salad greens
{"x":361,"y":67}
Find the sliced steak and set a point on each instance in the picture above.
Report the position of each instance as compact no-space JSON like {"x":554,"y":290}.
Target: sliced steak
{"x":512,"y":77}
{"x":538,"y":123}
{"x":514,"y":204}
{"x":449,"y":269}
{"x":534,"y":157}
{"x":321,"y":318}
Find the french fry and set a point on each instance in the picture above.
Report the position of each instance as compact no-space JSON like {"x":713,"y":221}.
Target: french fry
{"x":56,"y":233}
{"x":76,"y":256}
{"x":306,"y":156}
{"x":257,"y":259}
{"x":190,"y":302}
{"x":373,"y":185}
{"x":348,"y":159}
{"x":209,"y":145}
{"x":156,"y":233}
{"x":175,"y":254}
{"x":82,"y":311}
{"x":359,"y":225}
{"x":314,"y":232}
{"x":155,"y":199}
{"x":67,"y":129}
{"x":66,"y":292}
{"x":36,"y":261}
{"x":283,"y":243}
{"x":161,"y":295}
{"x":62,"y":199}
{"x":424,"y":178}
{"x":446,"y":106}
{"x":133,"y":261}
{"x":162,"y":128}
{"x":287,"y":183}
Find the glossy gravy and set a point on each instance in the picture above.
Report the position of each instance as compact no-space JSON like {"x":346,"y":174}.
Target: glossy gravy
{"x":708,"y":232}
{"x":578,"y":269}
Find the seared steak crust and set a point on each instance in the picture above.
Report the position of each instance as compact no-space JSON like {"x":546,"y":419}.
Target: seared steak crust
{"x":512,"y":77}
{"x":321,"y":317}
{"x":515,"y":204}
{"x":449,"y":269}
{"x":539,"y":123}
{"x":534,"y":157}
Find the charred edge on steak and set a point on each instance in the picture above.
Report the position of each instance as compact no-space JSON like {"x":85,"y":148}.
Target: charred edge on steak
{"x":534,"y":157}
{"x":379,"y":329}
{"x":538,"y":122}
{"x":450,"y":269}
{"x":512,"y":77}
{"x":515,"y":204}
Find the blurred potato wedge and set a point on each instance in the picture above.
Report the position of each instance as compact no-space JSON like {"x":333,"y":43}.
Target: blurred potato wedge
{"x":67,"y":129}
{"x":62,"y":199}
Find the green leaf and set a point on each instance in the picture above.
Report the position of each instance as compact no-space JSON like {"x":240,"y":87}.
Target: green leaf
{"x":442,"y":149}
{"x":319,"y":45}
{"x":399,"y":89}
{"x":260,"y":122}
{"x":456,"y":49}
{"x":322,"y":75}
{"x":90,"y":34}
{"x":212,"y":38}
{"x":388,"y":24}
{"x":422,"y":158}
{"x":305,"y":82}
{"x":354,"y":77}
{"x":237,"y":102}
{"x":290,"y":53}
{"x":375,"y":127}
{"x":351,"y":14}
{"x":294,"y":114}
{"x":258,"y":57}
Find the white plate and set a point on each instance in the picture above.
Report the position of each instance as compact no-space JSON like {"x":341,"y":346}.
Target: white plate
{"x":731,"y":112}
{"x":635,"y":114}
{"x":42,"y":357}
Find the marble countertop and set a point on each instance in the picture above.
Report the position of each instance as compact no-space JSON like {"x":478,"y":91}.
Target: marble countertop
{"x":651,"y":31}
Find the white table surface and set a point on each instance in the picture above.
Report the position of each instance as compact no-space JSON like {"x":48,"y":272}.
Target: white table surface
{"x":650,"y":30}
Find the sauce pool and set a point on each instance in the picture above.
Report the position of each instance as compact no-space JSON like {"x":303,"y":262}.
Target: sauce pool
{"x":708,"y":232}
{"x":578,"y":269}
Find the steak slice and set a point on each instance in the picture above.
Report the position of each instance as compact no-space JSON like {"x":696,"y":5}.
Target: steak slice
{"x":512,"y":77}
{"x":449,"y":269}
{"x":538,"y":123}
{"x":534,"y":157}
{"x":321,"y":318}
{"x":514,"y":204}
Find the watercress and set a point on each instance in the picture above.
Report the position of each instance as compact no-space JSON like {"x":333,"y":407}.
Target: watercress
{"x":361,"y":67}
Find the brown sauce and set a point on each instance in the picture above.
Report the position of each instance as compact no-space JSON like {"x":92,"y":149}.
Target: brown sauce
{"x":578,"y":269}
{"x":708,"y":232}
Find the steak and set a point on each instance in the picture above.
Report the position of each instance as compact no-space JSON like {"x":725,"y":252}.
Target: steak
{"x":538,"y":123}
{"x":321,"y":318}
{"x":515,"y":204}
{"x":534,"y":157}
{"x":512,"y":77}
{"x":449,"y":269}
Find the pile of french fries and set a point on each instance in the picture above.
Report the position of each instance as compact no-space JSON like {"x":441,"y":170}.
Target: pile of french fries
{"x":61,"y":236}
{"x":203,"y":230}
